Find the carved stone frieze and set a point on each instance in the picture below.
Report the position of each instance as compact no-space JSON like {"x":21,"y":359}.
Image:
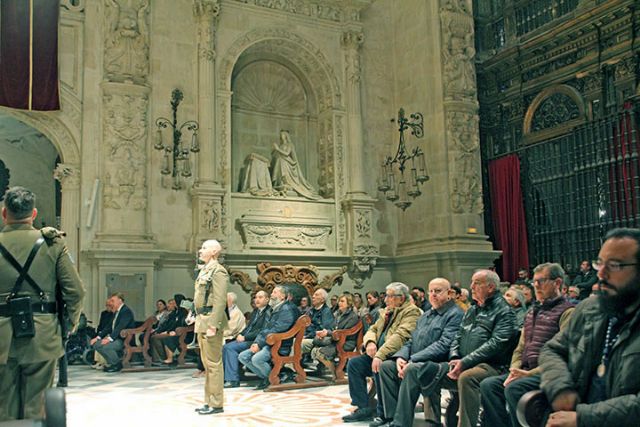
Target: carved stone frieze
{"x":334,"y":11}
{"x":466,"y":183}
{"x":210,"y":216}
{"x":269,"y":230}
{"x":73,"y":6}
{"x":592,"y":82}
{"x":124,"y":136}
{"x":625,"y":69}
{"x":67,"y":175}
{"x":126,"y":48}
{"x":206,"y":13}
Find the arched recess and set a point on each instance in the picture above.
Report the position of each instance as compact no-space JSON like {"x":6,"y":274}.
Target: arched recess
{"x":67,"y":172}
{"x":554,"y":111}
{"x":314,"y":68}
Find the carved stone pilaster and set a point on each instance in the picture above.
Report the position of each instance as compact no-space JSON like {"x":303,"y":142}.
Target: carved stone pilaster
{"x":68,"y":174}
{"x":207,"y":204}
{"x":458,"y":52}
{"x":126,"y":40}
{"x":362,"y":248}
{"x":206,"y":13}
{"x":466,"y":182}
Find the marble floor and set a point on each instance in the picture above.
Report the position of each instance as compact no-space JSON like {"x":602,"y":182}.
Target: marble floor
{"x":96,"y":398}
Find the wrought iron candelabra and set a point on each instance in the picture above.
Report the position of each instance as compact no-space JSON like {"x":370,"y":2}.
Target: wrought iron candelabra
{"x":393,"y":168}
{"x":176,"y":161}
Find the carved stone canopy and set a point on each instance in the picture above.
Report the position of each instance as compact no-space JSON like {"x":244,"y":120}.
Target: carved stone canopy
{"x":270,"y":276}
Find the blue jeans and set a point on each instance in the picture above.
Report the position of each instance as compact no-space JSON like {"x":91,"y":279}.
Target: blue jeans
{"x":358,"y":369}
{"x":230,"y":353}
{"x":259,"y":363}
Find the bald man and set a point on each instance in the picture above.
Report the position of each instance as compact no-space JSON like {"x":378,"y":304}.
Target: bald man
{"x":430,"y":341}
{"x":210,"y":301}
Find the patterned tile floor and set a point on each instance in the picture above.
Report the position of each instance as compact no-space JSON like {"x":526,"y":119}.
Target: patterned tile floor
{"x":95,"y":398}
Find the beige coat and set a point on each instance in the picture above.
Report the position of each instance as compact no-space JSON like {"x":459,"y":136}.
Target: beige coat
{"x":214,"y":277}
{"x":403,"y":322}
{"x":52,"y":264}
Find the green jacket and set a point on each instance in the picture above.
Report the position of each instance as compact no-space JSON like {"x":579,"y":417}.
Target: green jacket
{"x":52,"y":264}
{"x":214,"y":277}
{"x":403,"y":322}
{"x":570,"y":358}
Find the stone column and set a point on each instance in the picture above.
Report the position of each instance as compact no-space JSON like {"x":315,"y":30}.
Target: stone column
{"x":207,"y":193}
{"x":69,"y":177}
{"x":351,"y":41}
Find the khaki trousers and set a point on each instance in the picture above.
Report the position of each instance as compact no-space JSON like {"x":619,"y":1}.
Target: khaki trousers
{"x":211,"y":355}
{"x":22,"y":389}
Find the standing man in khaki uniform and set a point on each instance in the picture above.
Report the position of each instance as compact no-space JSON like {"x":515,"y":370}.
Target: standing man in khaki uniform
{"x":27,"y":364}
{"x":210,"y":301}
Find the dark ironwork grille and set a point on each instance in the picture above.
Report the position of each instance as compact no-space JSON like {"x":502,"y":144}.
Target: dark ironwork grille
{"x":533,"y":14}
{"x":579,"y":185}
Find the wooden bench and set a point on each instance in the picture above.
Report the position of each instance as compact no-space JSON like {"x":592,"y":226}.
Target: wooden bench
{"x":295,"y":357}
{"x":130,"y":347}
{"x":341,"y":335}
{"x":183,"y":345}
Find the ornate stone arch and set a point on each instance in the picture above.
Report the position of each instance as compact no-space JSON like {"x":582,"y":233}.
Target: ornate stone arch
{"x":554,"y":111}
{"x":68,"y":171}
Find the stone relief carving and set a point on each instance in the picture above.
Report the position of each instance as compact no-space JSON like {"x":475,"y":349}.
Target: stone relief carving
{"x":73,"y":6}
{"x":67,"y":175}
{"x":306,"y":8}
{"x":206,"y":13}
{"x":363,"y":261}
{"x":282,"y":236}
{"x":466,"y":194}
{"x":363,"y":224}
{"x":126,"y":52}
{"x":592,"y":82}
{"x":556,"y":109}
{"x":125,"y":133}
{"x":625,"y":69}
{"x":210,"y":216}
{"x":458,"y":53}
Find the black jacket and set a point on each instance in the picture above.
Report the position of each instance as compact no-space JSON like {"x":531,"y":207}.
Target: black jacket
{"x":486,"y":334}
{"x":256,"y":324}
{"x":124,"y":320}
{"x":174,"y":320}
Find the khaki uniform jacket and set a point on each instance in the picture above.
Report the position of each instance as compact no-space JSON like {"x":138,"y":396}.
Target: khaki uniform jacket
{"x":402,"y":323}
{"x":51,"y":264}
{"x":214,"y":277}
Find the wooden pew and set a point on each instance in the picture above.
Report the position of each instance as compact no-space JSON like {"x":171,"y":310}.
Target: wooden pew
{"x":340,"y":335}
{"x":130,"y":347}
{"x":181,"y":333}
{"x":295,"y":357}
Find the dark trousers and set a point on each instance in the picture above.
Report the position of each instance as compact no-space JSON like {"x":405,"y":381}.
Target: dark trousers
{"x":401,"y":395}
{"x":230,"y":352}
{"x":358,"y":369}
{"x":496,"y":398}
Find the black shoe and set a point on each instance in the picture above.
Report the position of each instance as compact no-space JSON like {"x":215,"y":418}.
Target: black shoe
{"x":202,"y":408}
{"x":360,"y":414}
{"x":231,"y":384}
{"x":263,"y":384}
{"x":379,"y":422}
{"x":211,"y":411}
{"x":113,"y":368}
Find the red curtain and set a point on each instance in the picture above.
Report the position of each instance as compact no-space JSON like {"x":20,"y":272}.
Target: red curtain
{"x":507,"y":215}
{"x":29,"y":54}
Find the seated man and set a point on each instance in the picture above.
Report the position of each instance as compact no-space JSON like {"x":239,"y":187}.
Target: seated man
{"x":431,"y":340}
{"x":237,"y":322}
{"x":550,"y":314}
{"x":109,"y":343}
{"x":383,"y":339}
{"x":257,"y":358}
{"x":232,"y":349}
{"x":590,"y":369}
{"x":106,"y":317}
{"x":321,"y":319}
{"x":481,"y":349}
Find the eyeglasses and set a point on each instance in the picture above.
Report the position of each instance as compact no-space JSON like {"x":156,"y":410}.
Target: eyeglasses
{"x":540,"y":281}
{"x":392,"y":295}
{"x":612,"y":266}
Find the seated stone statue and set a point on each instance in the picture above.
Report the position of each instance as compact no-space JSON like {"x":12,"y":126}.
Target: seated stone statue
{"x":286,"y":174}
{"x":256,"y":178}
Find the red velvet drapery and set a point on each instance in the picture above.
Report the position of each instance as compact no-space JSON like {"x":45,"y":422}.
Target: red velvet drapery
{"x":29,"y":54}
{"x":507,"y":215}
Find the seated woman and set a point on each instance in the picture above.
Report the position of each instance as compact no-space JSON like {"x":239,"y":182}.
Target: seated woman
{"x":324,"y":347}
{"x":372,"y":310}
{"x":163,"y":341}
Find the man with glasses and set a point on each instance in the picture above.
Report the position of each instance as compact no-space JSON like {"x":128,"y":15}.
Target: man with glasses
{"x":590,"y":369}
{"x":551,"y":313}
{"x":383,"y":339}
{"x":430,"y":341}
{"x":481,"y":349}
